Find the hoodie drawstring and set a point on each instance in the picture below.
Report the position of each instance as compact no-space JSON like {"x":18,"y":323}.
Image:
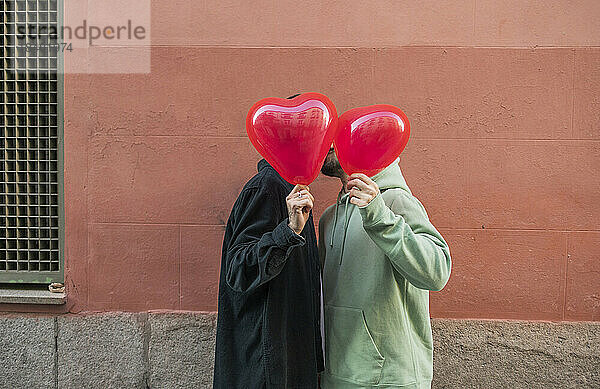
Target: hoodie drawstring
{"x":346,"y":222}
{"x":337,"y":203}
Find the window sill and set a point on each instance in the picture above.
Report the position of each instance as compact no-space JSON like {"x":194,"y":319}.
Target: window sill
{"x":22,"y":294}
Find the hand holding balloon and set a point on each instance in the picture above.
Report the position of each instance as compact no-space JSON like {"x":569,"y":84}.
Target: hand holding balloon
{"x":299,"y":204}
{"x":361,"y":189}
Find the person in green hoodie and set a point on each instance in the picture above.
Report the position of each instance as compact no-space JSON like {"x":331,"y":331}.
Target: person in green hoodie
{"x":380,"y":257}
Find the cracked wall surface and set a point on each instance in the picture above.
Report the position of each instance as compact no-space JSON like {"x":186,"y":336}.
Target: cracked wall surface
{"x":503,"y":154}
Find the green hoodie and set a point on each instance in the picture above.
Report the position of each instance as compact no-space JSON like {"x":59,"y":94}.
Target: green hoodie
{"x":379,"y":264}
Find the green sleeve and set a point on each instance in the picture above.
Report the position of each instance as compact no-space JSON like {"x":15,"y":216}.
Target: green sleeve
{"x":407,"y":237}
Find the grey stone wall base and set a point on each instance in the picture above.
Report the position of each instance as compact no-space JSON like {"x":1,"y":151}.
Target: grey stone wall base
{"x":100,"y":351}
{"x":181,"y":350}
{"x":27,"y":352}
{"x":175,"y":350}
{"x":514,"y":354}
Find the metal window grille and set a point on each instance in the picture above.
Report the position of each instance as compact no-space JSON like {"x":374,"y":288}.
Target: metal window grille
{"x":31,"y":209}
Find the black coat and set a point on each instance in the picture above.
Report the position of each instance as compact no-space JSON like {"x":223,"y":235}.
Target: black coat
{"x":268,"y":331}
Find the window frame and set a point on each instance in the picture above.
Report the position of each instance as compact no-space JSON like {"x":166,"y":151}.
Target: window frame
{"x":47,"y":277}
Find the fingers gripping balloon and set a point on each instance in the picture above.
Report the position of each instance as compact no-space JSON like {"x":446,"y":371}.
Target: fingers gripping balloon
{"x":370,"y":138}
{"x":293,"y":135}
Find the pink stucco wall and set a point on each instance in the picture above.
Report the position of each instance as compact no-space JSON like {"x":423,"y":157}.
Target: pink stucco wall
{"x":503,"y":100}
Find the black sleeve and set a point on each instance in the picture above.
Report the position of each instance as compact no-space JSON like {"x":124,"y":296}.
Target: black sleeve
{"x":260,"y":242}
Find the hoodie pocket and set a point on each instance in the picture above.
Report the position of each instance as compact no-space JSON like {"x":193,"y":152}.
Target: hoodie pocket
{"x":350,"y":352}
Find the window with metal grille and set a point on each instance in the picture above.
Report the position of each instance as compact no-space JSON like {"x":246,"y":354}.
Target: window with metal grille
{"x":31,"y":193}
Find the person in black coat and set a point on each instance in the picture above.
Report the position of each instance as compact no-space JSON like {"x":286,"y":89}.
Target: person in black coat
{"x":268,"y":326}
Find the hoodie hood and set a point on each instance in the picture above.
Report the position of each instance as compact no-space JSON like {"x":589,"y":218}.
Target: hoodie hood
{"x":389,"y":178}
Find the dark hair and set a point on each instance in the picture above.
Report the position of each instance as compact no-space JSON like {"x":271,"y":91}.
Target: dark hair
{"x":292,"y":96}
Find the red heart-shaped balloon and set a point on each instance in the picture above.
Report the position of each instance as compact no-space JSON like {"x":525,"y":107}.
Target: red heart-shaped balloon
{"x":293,"y":135}
{"x":370,"y":138}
